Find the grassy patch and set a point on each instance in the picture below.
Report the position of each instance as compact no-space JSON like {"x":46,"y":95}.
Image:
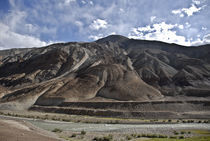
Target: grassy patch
{"x":201,"y":138}
{"x":201,"y":132}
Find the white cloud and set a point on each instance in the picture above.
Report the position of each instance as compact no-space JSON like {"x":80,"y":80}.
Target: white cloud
{"x":204,"y":40}
{"x":12,"y":3}
{"x":15,"y":18}
{"x":188,"y":11}
{"x":161,"y":32}
{"x":83,"y":2}
{"x":67,"y":2}
{"x":196,"y":2}
{"x":98,"y":24}
{"x":122,"y":10}
{"x":79,"y":20}
{"x":10,"y":39}
{"x":91,"y":3}
{"x":13,"y":28}
{"x":181,"y":27}
{"x":144,"y":29}
{"x":191,"y":10}
{"x":31,"y":28}
{"x":152,"y":18}
{"x":187,"y":25}
{"x":181,"y":15}
{"x":79,"y":23}
{"x":178,"y":11}
{"x":96,"y":37}
{"x":204,"y":28}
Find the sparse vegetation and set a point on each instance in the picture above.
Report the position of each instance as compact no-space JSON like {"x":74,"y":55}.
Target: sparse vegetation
{"x":73,"y":135}
{"x":83,"y":132}
{"x":181,"y":137}
{"x":182,"y":132}
{"x":105,"y":138}
{"x":172,"y":137}
{"x":176,"y":133}
{"x":162,"y":136}
{"x":128,"y":137}
{"x":57,"y":130}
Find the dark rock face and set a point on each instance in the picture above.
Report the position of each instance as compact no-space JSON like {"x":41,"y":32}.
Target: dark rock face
{"x":114,"y":68}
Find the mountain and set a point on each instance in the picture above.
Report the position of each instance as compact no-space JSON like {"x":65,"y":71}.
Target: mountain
{"x":111,"y":69}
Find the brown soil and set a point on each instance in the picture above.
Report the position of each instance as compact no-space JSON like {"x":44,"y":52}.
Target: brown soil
{"x":18,"y":131}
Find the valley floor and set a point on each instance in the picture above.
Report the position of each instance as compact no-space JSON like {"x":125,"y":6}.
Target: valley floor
{"x":21,"y":129}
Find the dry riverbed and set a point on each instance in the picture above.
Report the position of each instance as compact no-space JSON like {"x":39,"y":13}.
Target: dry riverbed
{"x":44,"y":130}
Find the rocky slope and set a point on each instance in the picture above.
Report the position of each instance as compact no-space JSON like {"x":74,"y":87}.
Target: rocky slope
{"x":113,"y":69}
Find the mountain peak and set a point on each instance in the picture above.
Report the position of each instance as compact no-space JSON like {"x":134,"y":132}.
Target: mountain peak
{"x":112,"y":38}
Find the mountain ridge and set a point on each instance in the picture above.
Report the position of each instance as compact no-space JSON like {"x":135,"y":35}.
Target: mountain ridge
{"x":114,"y":68}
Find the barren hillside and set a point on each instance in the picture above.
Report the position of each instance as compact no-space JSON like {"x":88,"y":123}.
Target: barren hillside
{"x":111,"y":69}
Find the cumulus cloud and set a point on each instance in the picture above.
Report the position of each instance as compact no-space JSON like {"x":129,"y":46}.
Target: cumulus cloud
{"x":196,"y":2}
{"x":98,"y":24}
{"x":96,"y":37}
{"x":159,"y":31}
{"x":83,"y":20}
{"x":204,"y":40}
{"x":188,"y":11}
{"x":10,"y":39}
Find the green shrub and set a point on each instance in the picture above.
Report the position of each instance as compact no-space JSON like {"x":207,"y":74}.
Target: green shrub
{"x":190,"y":121}
{"x":151,"y":136}
{"x":128,"y":137}
{"x":181,"y":137}
{"x":162,"y":136}
{"x":57,"y":130}
{"x":110,"y":136}
{"x":139,"y":136}
{"x":106,"y":138}
{"x":73,"y":135}
{"x":172,"y":137}
{"x":83,"y":132}
{"x":96,"y":139}
{"x":183,"y":132}
{"x":144,"y":135}
{"x":134,"y":135}
{"x":176,"y":133}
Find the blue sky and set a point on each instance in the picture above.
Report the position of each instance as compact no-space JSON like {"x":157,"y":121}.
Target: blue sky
{"x":35,"y":23}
